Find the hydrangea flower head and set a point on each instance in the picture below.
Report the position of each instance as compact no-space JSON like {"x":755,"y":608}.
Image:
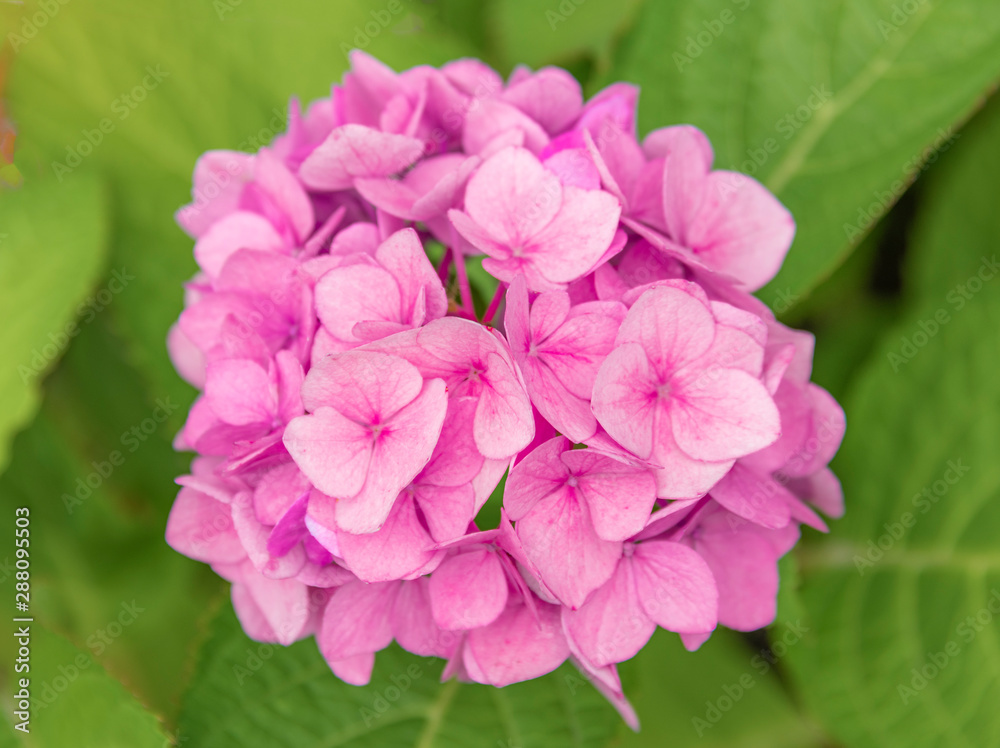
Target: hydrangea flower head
{"x":660,"y":437}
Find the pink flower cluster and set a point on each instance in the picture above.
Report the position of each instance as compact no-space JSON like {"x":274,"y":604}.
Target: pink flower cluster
{"x":660,"y":437}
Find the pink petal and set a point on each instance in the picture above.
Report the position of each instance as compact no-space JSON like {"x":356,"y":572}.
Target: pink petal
{"x":413,"y":622}
{"x":357,"y":620}
{"x":552,"y":97}
{"x":332,"y":451}
{"x":620,"y":497}
{"x":675,"y":586}
{"x":516,"y":646}
{"x":559,"y":538}
{"x":357,"y":151}
{"x":538,"y":475}
{"x":365,"y":386}
{"x":202,"y":528}
{"x":399,"y":548}
{"x":611,"y":626}
{"x":723,"y":414}
{"x":240,"y":392}
{"x":398,"y":456}
{"x":756,"y":498}
{"x":672,"y":326}
{"x":468,"y":590}
{"x":745,"y":567}
{"x":624,"y":398}
{"x":404,"y":257}
{"x":512,"y":196}
{"x":240,"y":230}
{"x":503,"y":424}
{"x":575,"y":239}
{"x":340,"y":306}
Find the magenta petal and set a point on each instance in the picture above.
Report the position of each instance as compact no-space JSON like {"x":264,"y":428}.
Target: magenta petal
{"x":611,"y":626}
{"x":745,"y":568}
{"x":676,"y":587}
{"x":468,"y":590}
{"x":559,"y":538}
{"x":399,"y":548}
{"x":516,"y":646}
{"x":357,"y":620}
{"x":398,"y":456}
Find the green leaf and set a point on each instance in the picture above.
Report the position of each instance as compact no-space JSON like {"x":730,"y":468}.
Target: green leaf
{"x":99,"y":496}
{"x":52,"y":243}
{"x":170,"y":80}
{"x":725,"y":695}
{"x":554,"y":32}
{"x":834,"y":106}
{"x":894,"y":657}
{"x":76,"y":703}
{"x":957,"y":229}
{"x":251,"y":694}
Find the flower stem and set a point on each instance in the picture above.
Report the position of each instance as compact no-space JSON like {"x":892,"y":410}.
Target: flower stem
{"x":495,"y":304}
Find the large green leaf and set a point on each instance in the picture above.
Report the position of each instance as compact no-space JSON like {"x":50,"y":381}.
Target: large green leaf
{"x":170,"y":80}
{"x":832,"y":105}
{"x":532,"y":33}
{"x":52,"y":246}
{"x":96,"y":470}
{"x":726,"y":695}
{"x":251,"y":694}
{"x":905,"y":647}
{"x":74,"y":702}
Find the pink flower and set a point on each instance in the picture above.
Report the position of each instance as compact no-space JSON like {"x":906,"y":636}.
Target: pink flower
{"x":527,"y":222}
{"x":661,"y":440}
{"x":681,"y":389}
{"x":573,"y":508}
{"x":372,"y":425}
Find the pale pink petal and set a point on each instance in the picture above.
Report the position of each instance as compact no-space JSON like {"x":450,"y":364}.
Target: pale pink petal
{"x":357,"y":151}
{"x":240,"y":392}
{"x":468,"y":590}
{"x":516,"y":646}
{"x":675,"y":585}
{"x":625,"y":398}
{"x":724,"y":415}
{"x":340,"y":306}
{"x":759,"y":499}
{"x":399,"y":548}
{"x":559,"y":538}
{"x":611,"y":626}
{"x":240,"y":230}
{"x":332,"y":451}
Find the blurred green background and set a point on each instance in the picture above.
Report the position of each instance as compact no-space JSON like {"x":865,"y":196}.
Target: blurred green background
{"x":870,"y":119}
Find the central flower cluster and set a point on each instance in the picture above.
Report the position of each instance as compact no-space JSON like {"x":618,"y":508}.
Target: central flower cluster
{"x":657,"y":428}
